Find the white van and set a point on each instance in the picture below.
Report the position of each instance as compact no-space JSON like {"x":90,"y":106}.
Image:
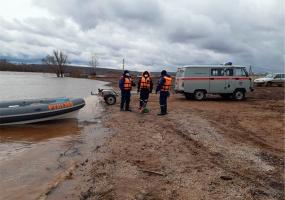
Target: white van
{"x":195,"y":81}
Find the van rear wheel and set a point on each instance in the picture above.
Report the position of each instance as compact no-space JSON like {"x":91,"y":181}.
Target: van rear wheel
{"x":239,"y":95}
{"x":199,"y":95}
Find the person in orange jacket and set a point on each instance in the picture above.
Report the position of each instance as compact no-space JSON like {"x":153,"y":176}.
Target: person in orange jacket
{"x":145,"y":87}
{"x":125,"y":85}
{"x":163,"y":87}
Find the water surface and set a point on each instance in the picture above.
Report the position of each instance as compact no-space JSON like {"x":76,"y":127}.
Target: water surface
{"x":32,"y":154}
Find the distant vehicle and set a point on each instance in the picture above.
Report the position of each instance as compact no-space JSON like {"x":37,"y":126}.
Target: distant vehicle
{"x":195,"y":81}
{"x":271,"y":79}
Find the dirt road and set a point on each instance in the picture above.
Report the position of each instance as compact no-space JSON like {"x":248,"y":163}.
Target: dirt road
{"x":214,"y":149}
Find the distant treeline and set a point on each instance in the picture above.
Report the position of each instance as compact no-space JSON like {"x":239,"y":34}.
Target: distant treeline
{"x":72,"y":71}
{"x":69,"y":70}
{"x":7,"y":66}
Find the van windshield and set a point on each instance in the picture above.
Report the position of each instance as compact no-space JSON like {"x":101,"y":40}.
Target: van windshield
{"x":269,"y":76}
{"x":241,"y":72}
{"x":179,"y":73}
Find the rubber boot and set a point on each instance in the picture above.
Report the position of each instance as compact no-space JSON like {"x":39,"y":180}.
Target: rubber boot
{"x":128,"y":108}
{"x":162,"y":111}
{"x":122,"y":107}
{"x":141,"y":104}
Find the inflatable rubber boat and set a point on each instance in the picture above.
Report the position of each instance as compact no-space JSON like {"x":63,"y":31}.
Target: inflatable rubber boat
{"x":31,"y":111}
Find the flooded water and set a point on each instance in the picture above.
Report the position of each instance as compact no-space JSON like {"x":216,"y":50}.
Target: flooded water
{"x":18,"y":85}
{"x":31,"y":155}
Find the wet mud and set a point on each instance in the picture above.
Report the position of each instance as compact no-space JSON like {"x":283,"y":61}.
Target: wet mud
{"x":214,"y":149}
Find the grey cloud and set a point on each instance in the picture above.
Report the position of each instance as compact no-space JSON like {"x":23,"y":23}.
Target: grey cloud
{"x":90,"y":13}
{"x":152,"y":32}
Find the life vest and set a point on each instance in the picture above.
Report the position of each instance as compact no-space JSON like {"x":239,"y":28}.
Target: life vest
{"x":145,"y":82}
{"x":127,"y":84}
{"x":167,"y":84}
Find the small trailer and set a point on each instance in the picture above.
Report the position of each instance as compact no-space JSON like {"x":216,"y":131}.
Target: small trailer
{"x":195,"y":81}
{"x":109,"y":95}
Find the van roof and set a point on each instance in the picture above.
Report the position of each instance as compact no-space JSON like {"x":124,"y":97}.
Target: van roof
{"x":214,"y":66}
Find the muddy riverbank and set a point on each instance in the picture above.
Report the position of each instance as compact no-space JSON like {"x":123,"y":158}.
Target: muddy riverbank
{"x":213,"y":149}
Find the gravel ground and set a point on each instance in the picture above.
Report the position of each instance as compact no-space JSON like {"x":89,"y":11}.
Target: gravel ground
{"x":214,"y":149}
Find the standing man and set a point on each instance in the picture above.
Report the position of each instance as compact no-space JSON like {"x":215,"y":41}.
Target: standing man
{"x":163,"y":87}
{"x":125,"y":85}
{"x":145,"y":86}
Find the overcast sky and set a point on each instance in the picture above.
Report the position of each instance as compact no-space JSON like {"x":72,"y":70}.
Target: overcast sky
{"x":149,"y":34}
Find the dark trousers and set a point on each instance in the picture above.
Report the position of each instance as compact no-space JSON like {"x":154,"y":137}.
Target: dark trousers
{"x":144,"y":94}
{"x":125,"y":99}
{"x":163,"y":102}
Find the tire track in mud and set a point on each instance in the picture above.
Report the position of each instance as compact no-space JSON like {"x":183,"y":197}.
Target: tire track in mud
{"x":194,"y":156}
{"x":187,"y":154}
{"x":234,"y":130}
{"x":262,"y":184}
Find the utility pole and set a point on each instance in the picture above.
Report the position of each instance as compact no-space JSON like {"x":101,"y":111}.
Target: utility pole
{"x":123,"y":64}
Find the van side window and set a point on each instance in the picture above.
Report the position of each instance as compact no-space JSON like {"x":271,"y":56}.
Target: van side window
{"x":229,"y":72}
{"x":240,"y":72}
{"x":217,"y":72}
{"x":278,"y":76}
{"x":283,"y":76}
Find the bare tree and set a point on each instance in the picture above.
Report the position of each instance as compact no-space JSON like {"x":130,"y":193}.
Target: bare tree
{"x":60,"y":60}
{"x":94,"y":63}
{"x":49,"y":60}
{"x":57,"y":61}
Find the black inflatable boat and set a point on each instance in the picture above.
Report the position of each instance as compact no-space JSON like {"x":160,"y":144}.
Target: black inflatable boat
{"x":31,"y":111}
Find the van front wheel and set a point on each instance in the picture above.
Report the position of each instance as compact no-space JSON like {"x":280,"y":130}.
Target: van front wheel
{"x":239,"y":95}
{"x":199,"y":95}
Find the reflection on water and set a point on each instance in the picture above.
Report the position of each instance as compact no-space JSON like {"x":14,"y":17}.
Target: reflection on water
{"x":17,"y":139}
{"x":29,"y":153}
{"x":38,"y":132}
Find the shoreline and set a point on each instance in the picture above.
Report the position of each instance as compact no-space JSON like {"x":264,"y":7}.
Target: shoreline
{"x":213,"y":149}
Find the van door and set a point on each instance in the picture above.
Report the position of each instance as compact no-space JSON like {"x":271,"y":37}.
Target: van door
{"x":229,"y":80}
{"x":217,"y":80}
{"x":179,"y":82}
{"x":196,"y":78}
{"x":241,"y":79}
